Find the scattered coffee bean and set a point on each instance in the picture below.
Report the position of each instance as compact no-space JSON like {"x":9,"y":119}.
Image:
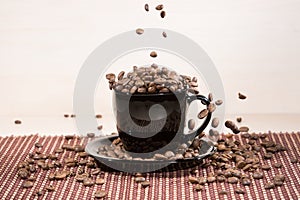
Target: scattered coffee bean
{"x":23,"y":173}
{"x":278,"y":183}
{"x":246,"y":181}
{"x":219,"y":102}
{"x":139,"y":31}
{"x":59,"y":150}
{"x":100,"y":194}
{"x":66,"y":115}
{"x":211,"y":179}
{"x":294,"y":160}
{"x":233,"y":180}
{"x":203,"y":114}
{"x":40,"y":193}
{"x":153,"y":54}
{"x":269,"y":186}
{"x":279,"y":177}
{"x":145,"y":183}
{"x":268,"y":156}
{"x":258,"y":175}
{"x":164,"y":34}
{"x":193,"y":180}
{"x":139,"y":179}
{"x":191,"y":124}
{"x":38,"y":145}
{"x":277,"y":165}
{"x":265,"y":167}
{"x":27,"y":184}
{"x":211,"y":107}
{"x":215,"y":122}
{"x":50,"y":188}
{"x":88,"y":182}
{"x":239,"y":191}
{"x":18,"y":122}
{"x":241,"y":96}
{"x":223,"y":192}
{"x":198,"y":187}
{"x":163,"y":14}
{"x":69,"y":137}
{"x":159,"y":7}
{"x":100,"y":181}
{"x":73,"y":116}
{"x":146,"y":7}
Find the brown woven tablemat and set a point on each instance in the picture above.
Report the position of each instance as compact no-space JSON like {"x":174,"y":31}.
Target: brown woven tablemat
{"x":165,"y":185}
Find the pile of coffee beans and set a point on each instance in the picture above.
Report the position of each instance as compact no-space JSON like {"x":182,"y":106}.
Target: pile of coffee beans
{"x":151,"y":80}
{"x":185,"y":151}
{"x":235,"y":162}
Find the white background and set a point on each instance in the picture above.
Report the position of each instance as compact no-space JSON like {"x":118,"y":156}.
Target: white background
{"x":255,"y":44}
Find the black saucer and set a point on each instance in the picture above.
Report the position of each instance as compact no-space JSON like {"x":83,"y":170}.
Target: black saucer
{"x":130,"y":166}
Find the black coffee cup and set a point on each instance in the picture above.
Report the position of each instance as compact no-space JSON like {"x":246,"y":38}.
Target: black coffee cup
{"x":148,"y":122}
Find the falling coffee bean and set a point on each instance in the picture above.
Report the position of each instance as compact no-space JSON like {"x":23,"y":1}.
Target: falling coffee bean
{"x":100,"y":127}
{"x":239,"y":119}
{"x":139,"y":31}
{"x":219,"y":102}
{"x":215,"y":122}
{"x":153,"y":54}
{"x":164,"y":34}
{"x":211,"y":107}
{"x":159,"y":7}
{"x":18,"y":122}
{"x":241,"y":96}
{"x":90,"y":135}
{"x":163,"y":14}
{"x":146,"y":7}
{"x":66,"y":115}
{"x":98,"y":116}
{"x":244,"y":129}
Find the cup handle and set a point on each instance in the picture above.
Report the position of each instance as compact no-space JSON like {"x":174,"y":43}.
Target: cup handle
{"x":204,"y":101}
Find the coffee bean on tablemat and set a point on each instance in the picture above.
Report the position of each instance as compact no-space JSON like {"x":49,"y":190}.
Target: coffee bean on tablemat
{"x":223,"y":192}
{"x":233,"y":180}
{"x":198,"y":187}
{"x":100,"y":194}
{"x":69,"y":137}
{"x":100,"y":181}
{"x":258,"y":175}
{"x":239,"y":191}
{"x":38,"y":145}
{"x":27,"y":184}
{"x":277,"y":165}
{"x":269,"y":186}
{"x":145,"y":183}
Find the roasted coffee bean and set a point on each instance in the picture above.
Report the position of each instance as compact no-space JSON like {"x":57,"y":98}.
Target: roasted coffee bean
{"x":18,"y":122}
{"x":211,"y":107}
{"x":169,"y":154}
{"x":139,"y":179}
{"x":100,"y":181}
{"x":90,"y":135}
{"x":160,"y":157}
{"x":265,"y":167}
{"x":66,"y":115}
{"x":100,"y":194}
{"x":23,"y":173}
{"x":191,"y":124}
{"x":146,"y":7}
{"x":221,"y":178}
{"x":231,"y":125}
{"x":203,"y":114}
{"x":219,"y":102}
{"x":38,"y":145}
{"x":95,"y":171}
{"x":223,"y":192}
{"x":268,"y":156}
{"x":278,"y":183}
{"x":241,"y":96}
{"x":279,"y":177}
{"x":210,"y":97}
{"x":294,"y":160}
{"x":145,"y":183}
{"x":193,"y":180}
{"x":277,"y":165}
{"x":198,"y":187}
{"x":78,"y":148}
{"x":27,"y":184}
{"x":162,"y":14}
{"x":61,"y":175}
{"x":246,"y":181}
{"x":153,"y":54}
{"x":142,"y":90}
{"x":215,"y":122}
{"x":88,"y":182}
{"x":98,"y":116}
{"x":196,"y":143}
{"x":82,"y":154}
{"x":233,"y":180}
{"x":68,"y":147}
{"x":239,"y":191}
{"x":51,"y":176}
{"x":244,"y":129}
{"x":202,"y":180}
{"x":50,"y":188}
{"x":164,"y":34}
{"x":159,"y":7}
{"x":59,"y":150}
{"x":40,"y":193}
{"x":73,"y":116}
{"x":100,"y":127}
{"x":112,"y":77}
{"x":239,"y":119}
{"x":81,"y":177}
{"x":31,"y":178}
{"x":188,"y":155}
{"x":258,"y":175}
{"x":269,"y":186}
{"x":211,"y":179}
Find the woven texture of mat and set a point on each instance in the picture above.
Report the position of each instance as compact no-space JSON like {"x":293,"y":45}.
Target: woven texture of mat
{"x":164,"y":185}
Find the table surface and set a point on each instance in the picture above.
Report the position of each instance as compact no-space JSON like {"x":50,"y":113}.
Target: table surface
{"x":164,"y":185}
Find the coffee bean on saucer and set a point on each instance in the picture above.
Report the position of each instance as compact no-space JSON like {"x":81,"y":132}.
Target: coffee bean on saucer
{"x":163,"y":14}
{"x":146,"y":7}
{"x":203,"y":114}
{"x":191,"y":124}
{"x":241,"y":96}
{"x":215,"y":122}
{"x":100,"y":194}
{"x":153,"y":54}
